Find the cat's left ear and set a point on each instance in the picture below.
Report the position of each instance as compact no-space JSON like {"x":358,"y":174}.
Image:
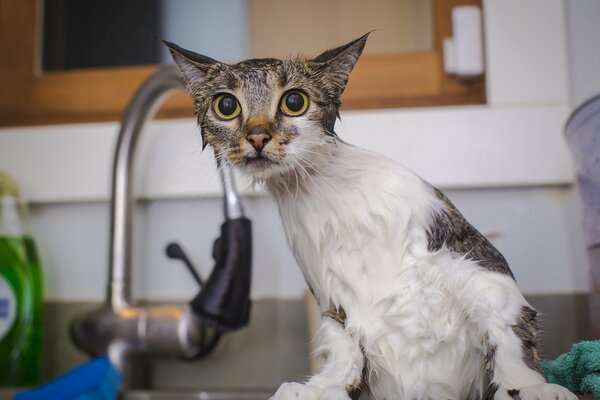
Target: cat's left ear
{"x":193,"y":66}
{"x":338,"y":63}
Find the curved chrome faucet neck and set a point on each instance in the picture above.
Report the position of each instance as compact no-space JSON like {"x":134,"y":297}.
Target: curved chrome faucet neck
{"x":143,"y":106}
{"x":126,"y":331}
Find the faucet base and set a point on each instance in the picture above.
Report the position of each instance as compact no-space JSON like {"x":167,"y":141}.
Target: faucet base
{"x":130,"y":334}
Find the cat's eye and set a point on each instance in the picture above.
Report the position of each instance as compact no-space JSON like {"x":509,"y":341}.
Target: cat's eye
{"x":226,"y":107}
{"x":294,"y":103}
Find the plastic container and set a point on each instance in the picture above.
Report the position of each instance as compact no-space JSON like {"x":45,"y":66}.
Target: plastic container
{"x":583,"y":136}
{"x":21,"y":293}
{"x":97,"y":379}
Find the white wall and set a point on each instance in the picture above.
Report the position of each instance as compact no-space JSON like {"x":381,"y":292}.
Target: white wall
{"x":584,"y":48}
{"x":505,"y":163}
{"x":526,"y":52}
{"x":532,"y":227}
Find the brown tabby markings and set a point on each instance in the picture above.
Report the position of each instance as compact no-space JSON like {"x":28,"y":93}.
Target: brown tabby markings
{"x":253,"y":82}
{"x":527,"y":330}
{"x":338,"y":314}
{"x":256,"y":80}
{"x":451,"y":229}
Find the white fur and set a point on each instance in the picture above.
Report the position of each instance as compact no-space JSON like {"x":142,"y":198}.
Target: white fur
{"x":357,"y":224}
{"x":342,"y":368}
{"x":344,"y":360}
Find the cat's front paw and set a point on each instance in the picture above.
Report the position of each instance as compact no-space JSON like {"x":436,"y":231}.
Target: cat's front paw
{"x":298,"y":391}
{"x":334,"y":393}
{"x":543,"y":391}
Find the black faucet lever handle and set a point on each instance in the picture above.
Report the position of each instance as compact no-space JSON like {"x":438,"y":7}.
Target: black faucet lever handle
{"x":175,"y":252}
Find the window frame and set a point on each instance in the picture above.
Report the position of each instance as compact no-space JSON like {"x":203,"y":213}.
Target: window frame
{"x":33,"y":97}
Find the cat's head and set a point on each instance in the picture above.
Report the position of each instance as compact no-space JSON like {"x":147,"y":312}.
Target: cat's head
{"x":268,"y":116}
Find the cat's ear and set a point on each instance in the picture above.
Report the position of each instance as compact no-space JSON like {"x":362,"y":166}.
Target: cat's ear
{"x":338,"y":63}
{"x":193,"y":66}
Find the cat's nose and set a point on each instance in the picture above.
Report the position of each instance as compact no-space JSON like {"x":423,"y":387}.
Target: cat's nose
{"x":258,"y":137}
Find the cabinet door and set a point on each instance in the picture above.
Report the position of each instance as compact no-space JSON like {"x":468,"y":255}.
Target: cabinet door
{"x":402,"y":67}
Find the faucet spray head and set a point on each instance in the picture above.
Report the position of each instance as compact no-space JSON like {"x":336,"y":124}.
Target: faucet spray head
{"x":224,"y":300}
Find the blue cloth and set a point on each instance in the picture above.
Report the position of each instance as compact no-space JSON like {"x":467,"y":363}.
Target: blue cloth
{"x":94,"y":380}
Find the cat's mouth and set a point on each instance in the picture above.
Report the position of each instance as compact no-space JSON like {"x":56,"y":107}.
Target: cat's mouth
{"x":263,"y":167}
{"x":259,"y":162}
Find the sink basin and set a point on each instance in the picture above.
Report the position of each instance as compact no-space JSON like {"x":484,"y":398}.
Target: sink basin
{"x":197,"y":395}
{"x":247,"y":365}
{"x":7,"y":394}
{"x":217,"y":395}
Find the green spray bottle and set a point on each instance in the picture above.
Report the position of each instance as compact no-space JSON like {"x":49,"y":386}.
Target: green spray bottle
{"x":21,"y":292}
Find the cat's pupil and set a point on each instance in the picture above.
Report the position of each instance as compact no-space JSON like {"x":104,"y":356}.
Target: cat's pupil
{"x":294,"y":101}
{"x":227,"y":105}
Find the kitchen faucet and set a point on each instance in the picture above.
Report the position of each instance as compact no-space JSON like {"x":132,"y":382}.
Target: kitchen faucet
{"x":129,"y":332}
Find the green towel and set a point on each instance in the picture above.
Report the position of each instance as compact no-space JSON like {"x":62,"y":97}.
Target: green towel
{"x":578,"y":370}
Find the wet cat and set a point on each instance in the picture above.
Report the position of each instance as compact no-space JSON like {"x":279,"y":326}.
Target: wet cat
{"x":416,"y":303}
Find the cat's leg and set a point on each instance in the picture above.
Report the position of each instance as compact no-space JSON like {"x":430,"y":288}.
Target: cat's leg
{"x":341,"y":372}
{"x":508,"y":328}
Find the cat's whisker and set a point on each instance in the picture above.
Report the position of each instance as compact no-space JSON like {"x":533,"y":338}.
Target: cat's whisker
{"x":297,"y":185}
{"x":285,"y":183}
{"x":291,"y":164}
{"x":327,"y":157}
{"x":318,"y":170}
{"x":308,"y":178}
{"x":312,"y":162}
{"x":321,"y":156}
{"x":301,"y":167}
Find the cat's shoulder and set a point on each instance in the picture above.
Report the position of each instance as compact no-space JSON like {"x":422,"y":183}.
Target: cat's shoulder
{"x":449,"y":228}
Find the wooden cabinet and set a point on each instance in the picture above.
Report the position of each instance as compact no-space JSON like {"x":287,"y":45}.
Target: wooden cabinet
{"x":30,"y":96}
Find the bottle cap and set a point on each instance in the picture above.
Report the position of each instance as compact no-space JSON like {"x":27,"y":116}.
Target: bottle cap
{"x":8,"y":186}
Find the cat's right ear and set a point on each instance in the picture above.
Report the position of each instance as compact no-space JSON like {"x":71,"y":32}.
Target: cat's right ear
{"x":338,"y":63}
{"x":193,"y":66}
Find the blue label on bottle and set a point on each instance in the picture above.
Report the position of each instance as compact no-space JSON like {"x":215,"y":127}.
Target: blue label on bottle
{"x":7,"y":307}
{"x":4,"y":304}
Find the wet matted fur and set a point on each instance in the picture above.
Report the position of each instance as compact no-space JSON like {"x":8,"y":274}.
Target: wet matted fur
{"x":416,"y":303}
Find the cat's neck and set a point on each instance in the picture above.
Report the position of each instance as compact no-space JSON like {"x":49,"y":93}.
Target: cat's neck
{"x":326,"y":168}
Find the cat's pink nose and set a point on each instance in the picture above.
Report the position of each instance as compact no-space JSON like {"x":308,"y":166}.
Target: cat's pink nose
{"x":258,"y":137}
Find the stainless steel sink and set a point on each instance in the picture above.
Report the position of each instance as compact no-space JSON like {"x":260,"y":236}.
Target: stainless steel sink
{"x":197,"y":395}
{"x":248,"y":364}
{"x":238,"y":394}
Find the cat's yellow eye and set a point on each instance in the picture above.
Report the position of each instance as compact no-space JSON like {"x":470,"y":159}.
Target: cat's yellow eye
{"x":226,"y":106}
{"x":294,"y":103}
